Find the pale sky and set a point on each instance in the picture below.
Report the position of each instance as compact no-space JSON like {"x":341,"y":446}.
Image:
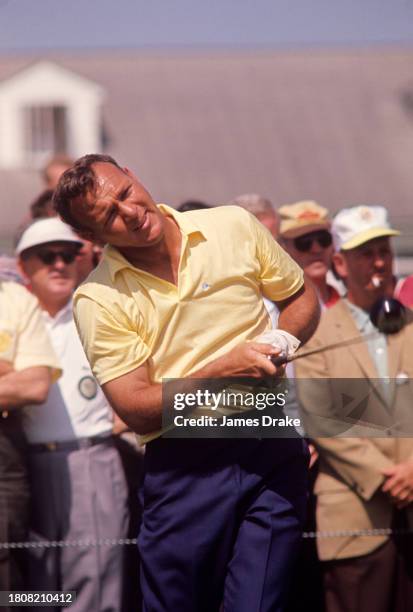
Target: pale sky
{"x":57,"y":24}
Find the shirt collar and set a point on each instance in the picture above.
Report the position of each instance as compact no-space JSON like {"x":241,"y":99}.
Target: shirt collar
{"x":64,"y":314}
{"x":361,"y":317}
{"x":116,"y":261}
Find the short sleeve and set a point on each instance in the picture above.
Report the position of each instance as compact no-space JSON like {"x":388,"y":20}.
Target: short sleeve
{"x":33,"y":347}
{"x":280,"y":276}
{"x":109,"y":338}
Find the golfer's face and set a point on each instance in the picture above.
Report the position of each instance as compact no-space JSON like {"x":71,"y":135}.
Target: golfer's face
{"x":121,"y":212}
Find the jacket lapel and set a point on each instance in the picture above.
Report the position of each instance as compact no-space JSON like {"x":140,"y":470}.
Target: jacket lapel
{"x":346,"y":328}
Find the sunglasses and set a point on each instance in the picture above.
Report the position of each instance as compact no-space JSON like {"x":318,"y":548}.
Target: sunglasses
{"x":304,"y":243}
{"x":49,"y":257}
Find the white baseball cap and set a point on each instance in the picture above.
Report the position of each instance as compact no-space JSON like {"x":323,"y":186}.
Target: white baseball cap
{"x":47,"y":230}
{"x":354,"y":226}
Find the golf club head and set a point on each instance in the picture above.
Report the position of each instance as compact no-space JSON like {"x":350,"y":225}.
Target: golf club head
{"x":388,"y":315}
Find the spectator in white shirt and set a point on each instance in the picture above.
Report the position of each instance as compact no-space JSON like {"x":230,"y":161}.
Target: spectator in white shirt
{"x":77,"y":481}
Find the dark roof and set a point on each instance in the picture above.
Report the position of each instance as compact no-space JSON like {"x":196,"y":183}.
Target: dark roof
{"x":332,"y":126}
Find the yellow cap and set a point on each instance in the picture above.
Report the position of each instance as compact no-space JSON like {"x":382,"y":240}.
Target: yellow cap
{"x":302,"y":218}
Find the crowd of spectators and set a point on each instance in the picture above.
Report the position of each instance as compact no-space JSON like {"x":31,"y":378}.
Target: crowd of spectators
{"x":70,"y":468}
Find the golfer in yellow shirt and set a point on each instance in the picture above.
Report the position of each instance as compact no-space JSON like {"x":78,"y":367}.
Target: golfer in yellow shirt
{"x":179,"y":295}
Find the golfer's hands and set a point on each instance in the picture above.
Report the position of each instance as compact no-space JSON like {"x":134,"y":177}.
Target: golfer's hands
{"x":279,"y":338}
{"x":251,"y":359}
{"x":399,"y":483}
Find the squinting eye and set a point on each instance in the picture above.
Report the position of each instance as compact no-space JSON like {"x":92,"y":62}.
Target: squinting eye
{"x":111,"y":216}
{"x":124,"y":194}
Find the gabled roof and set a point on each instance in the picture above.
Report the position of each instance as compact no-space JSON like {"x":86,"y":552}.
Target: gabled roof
{"x":333,"y":126}
{"x":47,"y":73}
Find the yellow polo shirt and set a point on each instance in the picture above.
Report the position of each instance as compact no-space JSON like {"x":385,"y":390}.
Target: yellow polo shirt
{"x":24,"y":341}
{"x":126,"y":316}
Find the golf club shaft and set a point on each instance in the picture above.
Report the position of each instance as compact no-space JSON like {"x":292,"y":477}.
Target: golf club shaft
{"x":327,"y":347}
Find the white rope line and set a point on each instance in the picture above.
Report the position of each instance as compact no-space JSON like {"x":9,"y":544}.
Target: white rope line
{"x":343,"y":533}
{"x":307,"y":535}
{"x":69,"y":543}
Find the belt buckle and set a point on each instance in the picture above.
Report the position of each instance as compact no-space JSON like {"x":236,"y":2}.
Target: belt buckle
{"x":51,"y":446}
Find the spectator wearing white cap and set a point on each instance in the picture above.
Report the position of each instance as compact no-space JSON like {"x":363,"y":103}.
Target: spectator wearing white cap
{"x":364,"y":483}
{"x":77,"y":481}
{"x":88,"y":254}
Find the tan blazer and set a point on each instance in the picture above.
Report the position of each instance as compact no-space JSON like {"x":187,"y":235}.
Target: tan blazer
{"x":349,"y":480}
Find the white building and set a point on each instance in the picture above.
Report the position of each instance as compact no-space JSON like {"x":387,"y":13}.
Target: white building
{"x":46,"y":109}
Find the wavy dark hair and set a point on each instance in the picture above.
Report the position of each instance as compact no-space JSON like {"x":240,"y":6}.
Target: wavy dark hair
{"x":75,"y":182}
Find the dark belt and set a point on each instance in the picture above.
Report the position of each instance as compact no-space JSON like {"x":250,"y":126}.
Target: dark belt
{"x":70,"y":445}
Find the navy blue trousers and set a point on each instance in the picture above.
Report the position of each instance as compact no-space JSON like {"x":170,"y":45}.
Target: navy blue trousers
{"x":222,"y":523}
